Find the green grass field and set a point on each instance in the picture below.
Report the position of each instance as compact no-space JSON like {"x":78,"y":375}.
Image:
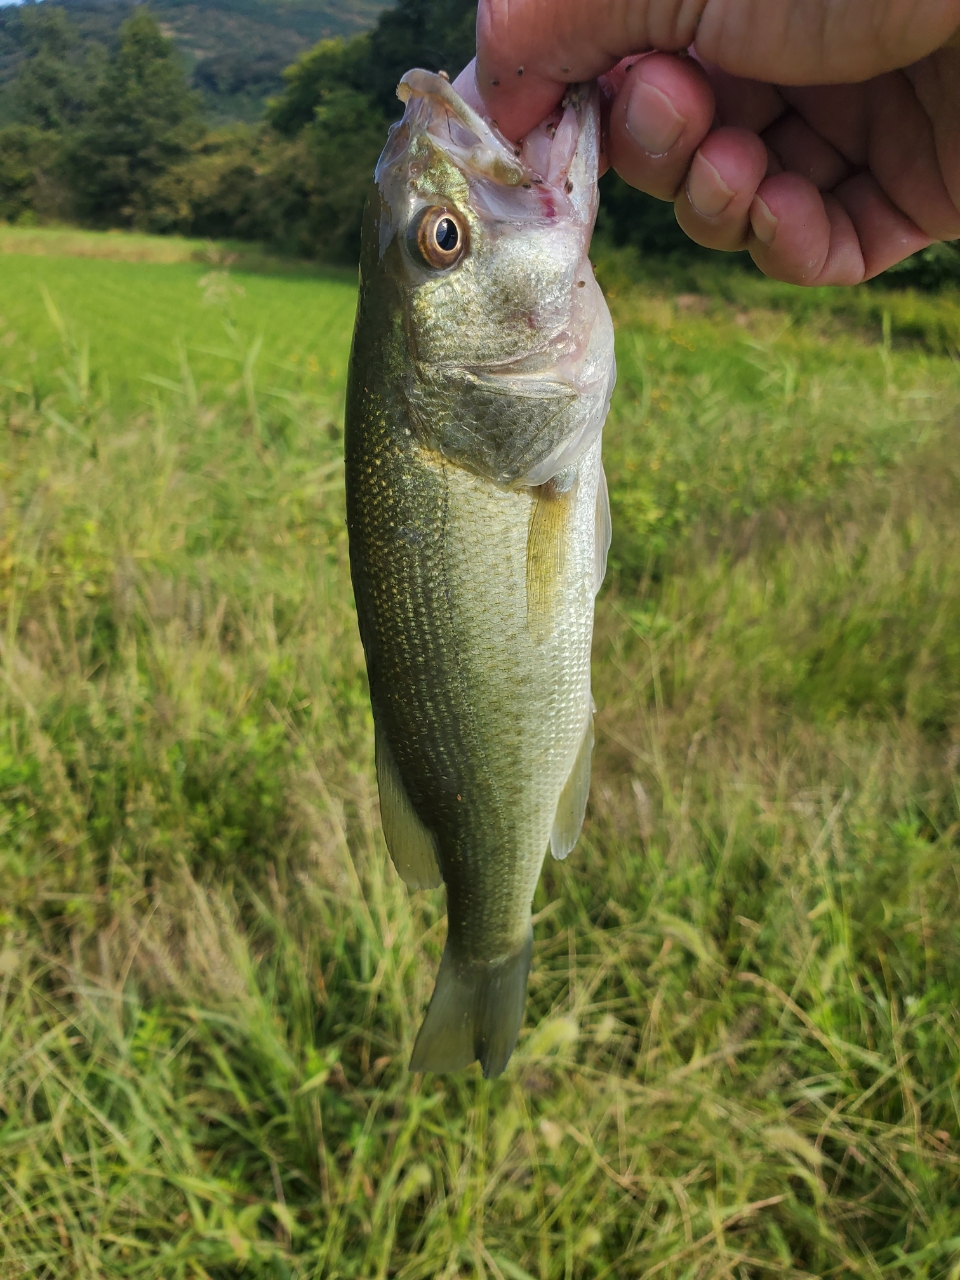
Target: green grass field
{"x":116,"y":327}
{"x":742,"y":1051}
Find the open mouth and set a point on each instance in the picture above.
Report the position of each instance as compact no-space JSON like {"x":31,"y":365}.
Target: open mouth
{"x":560,"y":156}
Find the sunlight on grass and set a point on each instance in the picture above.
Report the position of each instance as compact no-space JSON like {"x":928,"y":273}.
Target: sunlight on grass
{"x":135,"y":326}
{"x":741,"y":1050}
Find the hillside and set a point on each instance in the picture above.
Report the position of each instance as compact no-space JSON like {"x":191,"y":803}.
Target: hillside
{"x":235,"y":50}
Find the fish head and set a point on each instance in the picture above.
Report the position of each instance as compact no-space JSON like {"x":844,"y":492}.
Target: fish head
{"x":508,"y":339}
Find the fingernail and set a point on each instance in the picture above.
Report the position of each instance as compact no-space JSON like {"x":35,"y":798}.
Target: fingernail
{"x":763,"y":222}
{"x":706,"y":190}
{"x":652,"y":121}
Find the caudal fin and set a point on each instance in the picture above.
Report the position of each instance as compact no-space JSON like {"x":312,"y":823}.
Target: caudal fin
{"x":474,"y":1014}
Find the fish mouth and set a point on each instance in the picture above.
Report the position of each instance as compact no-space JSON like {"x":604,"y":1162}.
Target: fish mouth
{"x":558,"y":160}
{"x":434,"y":106}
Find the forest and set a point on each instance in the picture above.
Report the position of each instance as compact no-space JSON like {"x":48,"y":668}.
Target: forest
{"x":233,"y":52}
{"x":105,"y":129}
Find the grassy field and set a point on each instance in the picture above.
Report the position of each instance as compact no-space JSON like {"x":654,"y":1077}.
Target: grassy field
{"x":742,"y":1051}
{"x":111,"y":319}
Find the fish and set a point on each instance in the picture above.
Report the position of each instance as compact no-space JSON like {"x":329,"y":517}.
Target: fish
{"x":480,"y":376}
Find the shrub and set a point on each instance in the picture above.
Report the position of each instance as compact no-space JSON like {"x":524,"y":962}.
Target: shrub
{"x":32,"y":182}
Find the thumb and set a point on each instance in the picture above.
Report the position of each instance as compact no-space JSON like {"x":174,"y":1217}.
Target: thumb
{"x":528,"y":51}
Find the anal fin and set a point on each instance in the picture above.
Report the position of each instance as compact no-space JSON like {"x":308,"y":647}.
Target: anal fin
{"x":475,"y":1013}
{"x":412,"y":847}
{"x":573,"y":799}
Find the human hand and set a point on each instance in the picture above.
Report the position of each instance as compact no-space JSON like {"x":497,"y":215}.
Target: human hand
{"x":821,"y":135}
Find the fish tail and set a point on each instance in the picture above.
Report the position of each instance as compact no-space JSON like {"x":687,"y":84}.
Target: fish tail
{"x":474,"y":1014}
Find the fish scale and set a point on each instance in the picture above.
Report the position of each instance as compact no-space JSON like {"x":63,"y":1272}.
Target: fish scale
{"x":474,"y":577}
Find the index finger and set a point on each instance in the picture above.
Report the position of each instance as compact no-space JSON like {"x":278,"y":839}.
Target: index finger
{"x":528,"y":51}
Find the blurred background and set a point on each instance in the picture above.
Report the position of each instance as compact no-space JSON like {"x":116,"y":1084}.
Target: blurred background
{"x":741,"y":1055}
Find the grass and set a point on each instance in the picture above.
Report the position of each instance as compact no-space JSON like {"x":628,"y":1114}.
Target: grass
{"x":51,"y":241}
{"x":741,"y":1051}
{"x":115,"y":327}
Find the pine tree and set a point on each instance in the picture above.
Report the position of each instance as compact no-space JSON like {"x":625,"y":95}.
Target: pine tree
{"x":58,"y":77}
{"x":142,"y":123}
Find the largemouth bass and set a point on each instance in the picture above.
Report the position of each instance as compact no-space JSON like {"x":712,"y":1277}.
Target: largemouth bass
{"x":480,"y":377}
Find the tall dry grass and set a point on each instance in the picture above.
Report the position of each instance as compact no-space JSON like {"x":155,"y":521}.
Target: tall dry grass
{"x":741,"y":1051}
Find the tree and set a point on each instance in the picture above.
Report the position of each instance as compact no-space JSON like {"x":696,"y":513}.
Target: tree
{"x":436,"y":34}
{"x":58,"y":77}
{"x":342,"y":144}
{"x":935,"y":268}
{"x":304,"y":194}
{"x":439,"y":35}
{"x":30,"y":179}
{"x":329,"y":67}
{"x":338,"y":102}
{"x":142,"y":124}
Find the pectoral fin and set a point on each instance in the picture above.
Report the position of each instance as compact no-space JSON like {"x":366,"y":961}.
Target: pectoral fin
{"x":573,"y":799}
{"x":411,"y":845}
{"x":603,"y":532}
{"x":547,"y":551}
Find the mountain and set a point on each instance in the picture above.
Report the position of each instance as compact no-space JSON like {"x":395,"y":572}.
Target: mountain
{"x":234,"y":50}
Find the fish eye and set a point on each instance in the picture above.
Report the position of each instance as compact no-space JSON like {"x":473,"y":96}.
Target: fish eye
{"x":441,"y":237}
